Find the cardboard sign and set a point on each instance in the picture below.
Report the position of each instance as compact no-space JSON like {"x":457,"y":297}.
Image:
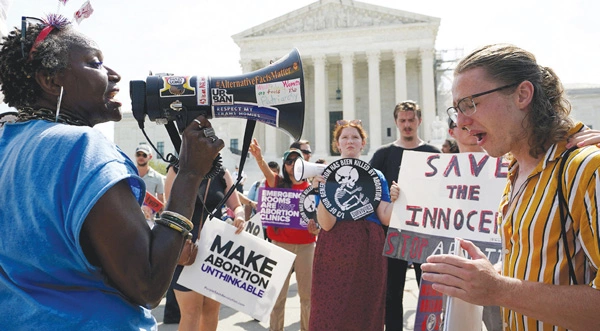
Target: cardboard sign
{"x":461,"y":315}
{"x":429,"y":308}
{"x":308,"y":205}
{"x":442,"y":197}
{"x":254,"y":226}
{"x":152,"y":202}
{"x":352,"y":189}
{"x":280,"y":207}
{"x":241,"y":271}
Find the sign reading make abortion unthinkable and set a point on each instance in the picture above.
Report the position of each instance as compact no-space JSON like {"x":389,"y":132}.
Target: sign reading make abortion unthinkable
{"x":442,"y":197}
{"x":241,"y":271}
{"x":352,"y":189}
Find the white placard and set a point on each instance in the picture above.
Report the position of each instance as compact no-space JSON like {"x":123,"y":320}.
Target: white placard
{"x":461,"y":315}
{"x":254,"y":226}
{"x":452,"y":195}
{"x":442,"y":197}
{"x":241,"y":271}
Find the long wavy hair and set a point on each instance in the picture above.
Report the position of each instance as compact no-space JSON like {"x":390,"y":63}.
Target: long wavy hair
{"x":548,"y":119}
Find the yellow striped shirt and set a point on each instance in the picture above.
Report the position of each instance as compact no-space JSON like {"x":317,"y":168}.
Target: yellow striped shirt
{"x":531,"y":227}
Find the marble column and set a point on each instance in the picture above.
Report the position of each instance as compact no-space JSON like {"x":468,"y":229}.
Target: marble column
{"x":348,"y":108}
{"x":321,"y":144}
{"x":246,"y":65}
{"x":373,"y":58}
{"x":428,"y":109}
{"x":400,"y":75}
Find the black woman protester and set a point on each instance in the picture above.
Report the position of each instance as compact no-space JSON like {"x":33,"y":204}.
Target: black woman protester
{"x":76,"y":251}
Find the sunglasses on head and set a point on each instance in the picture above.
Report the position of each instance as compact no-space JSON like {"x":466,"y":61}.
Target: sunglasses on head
{"x":141,"y":154}
{"x":306,"y":151}
{"x":351,"y":122}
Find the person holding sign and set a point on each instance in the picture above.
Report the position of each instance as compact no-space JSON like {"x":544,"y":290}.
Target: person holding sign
{"x":349,"y":273}
{"x":387,"y":159}
{"x":549,"y":219}
{"x":298,"y":241}
{"x":197,"y":311}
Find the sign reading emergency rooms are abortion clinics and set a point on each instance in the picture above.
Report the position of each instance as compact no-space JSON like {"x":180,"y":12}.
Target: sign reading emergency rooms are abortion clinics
{"x":442,"y":197}
{"x":241,"y":271}
{"x":280,"y":207}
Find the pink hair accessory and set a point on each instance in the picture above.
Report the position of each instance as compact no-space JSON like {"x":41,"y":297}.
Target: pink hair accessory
{"x":51,"y":22}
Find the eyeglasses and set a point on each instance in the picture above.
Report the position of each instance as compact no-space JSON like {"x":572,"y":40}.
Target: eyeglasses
{"x":24,"y":20}
{"x":141,"y":154}
{"x":306,"y":151}
{"x":351,"y":122}
{"x":52,"y":22}
{"x":290,"y":161}
{"x":467,"y":106}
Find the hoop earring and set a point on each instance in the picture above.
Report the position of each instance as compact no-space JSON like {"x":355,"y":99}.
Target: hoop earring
{"x":58,"y":104}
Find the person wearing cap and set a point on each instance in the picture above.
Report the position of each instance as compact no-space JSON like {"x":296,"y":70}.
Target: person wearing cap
{"x":299,"y":242}
{"x":153,"y":179}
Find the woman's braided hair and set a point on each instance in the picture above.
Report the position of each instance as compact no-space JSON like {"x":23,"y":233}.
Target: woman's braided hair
{"x":17,"y":72}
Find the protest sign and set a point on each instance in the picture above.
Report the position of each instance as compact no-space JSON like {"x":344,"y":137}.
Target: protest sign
{"x":254,"y":226}
{"x":241,"y":271}
{"x":308,"y":205}
{"x":280,"y":207}
{"x":429,"y":308}
{"x":152,"y":202}
{"x":461,"y":315}
{"x":352,"y":189}
{"x":442,"y":197}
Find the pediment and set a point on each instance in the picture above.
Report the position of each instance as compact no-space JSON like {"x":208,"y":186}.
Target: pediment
{"x":335,"y":15}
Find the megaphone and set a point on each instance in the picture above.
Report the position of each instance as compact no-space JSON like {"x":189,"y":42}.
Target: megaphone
{"x":303,"y":169}
{"x":273,"y":95}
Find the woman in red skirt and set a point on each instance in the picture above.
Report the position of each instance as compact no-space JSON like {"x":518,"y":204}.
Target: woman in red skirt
{"x":349,"y":270}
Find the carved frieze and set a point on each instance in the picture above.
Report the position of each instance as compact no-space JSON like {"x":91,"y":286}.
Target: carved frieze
{"x":333,"y":17}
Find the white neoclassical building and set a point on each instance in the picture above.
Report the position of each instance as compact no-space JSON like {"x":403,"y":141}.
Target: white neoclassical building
{"x":359,"y":60}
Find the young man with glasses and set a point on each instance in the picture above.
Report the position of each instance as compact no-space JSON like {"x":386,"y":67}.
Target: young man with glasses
{"x":387,"y":159}
{"x":154,"y":180}
{"x":551,"y":255}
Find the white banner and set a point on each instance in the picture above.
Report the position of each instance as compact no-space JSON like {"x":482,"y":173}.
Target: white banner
{"x":254,"y":226}
{"x":241,"y":271}
{"x":442,"y":197}
{"x":461,"y":315}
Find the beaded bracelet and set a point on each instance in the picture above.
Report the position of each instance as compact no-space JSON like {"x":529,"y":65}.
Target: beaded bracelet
{"x":178,"y":218}
{"x":172,"y":225}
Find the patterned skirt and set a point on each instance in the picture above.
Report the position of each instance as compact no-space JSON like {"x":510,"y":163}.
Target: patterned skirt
{"x":349,"y":278}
